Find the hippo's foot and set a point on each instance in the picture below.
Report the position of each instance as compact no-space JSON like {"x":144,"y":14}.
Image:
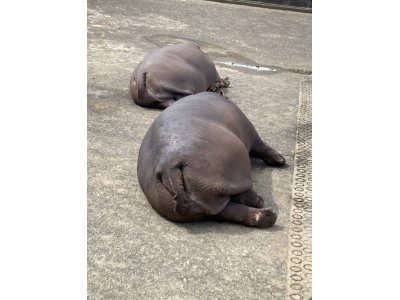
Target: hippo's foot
{"x":249,"y":198}
{"x":249,"y":216}
{"x":220,"y":83}
{"x":267,"y":154}
{"x":273,"y":158}
{"x":224,"y":82}
{"x":263,"y":217}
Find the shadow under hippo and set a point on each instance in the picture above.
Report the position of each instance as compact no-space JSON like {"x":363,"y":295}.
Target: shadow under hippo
{"x":172,"y":72}
{"x":194,"y":163}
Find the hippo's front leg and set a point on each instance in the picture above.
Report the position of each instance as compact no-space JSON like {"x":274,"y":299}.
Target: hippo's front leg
{"x":249,"y":216}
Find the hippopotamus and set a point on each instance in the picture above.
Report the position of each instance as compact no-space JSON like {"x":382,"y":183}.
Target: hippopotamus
{"x":170,"y":73}
{"x":194,"y":163}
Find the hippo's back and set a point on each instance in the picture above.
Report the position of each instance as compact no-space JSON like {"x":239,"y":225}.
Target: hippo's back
{"x":204,"y":114}
{"x":188,"y":57}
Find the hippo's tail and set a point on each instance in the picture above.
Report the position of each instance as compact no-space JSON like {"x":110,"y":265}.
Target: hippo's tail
{"x":141,"y":85}
{"x":174,"y":182}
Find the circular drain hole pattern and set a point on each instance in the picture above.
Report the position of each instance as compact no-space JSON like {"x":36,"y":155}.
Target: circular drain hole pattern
{"x":296,"y":260}
{"x":296,"y":297}
{"x":299,"y":264}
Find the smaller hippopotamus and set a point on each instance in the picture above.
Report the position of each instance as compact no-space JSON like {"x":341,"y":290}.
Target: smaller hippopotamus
{"x":170,"y":73}
{"x":194,"y":163}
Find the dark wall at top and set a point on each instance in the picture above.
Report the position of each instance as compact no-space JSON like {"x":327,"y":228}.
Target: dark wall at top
{"x":302,"y":3}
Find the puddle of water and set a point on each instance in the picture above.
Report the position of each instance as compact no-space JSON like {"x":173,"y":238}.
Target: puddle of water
{"x":255,"y":68}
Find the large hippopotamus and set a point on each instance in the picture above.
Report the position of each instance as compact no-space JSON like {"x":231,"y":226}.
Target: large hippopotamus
{"x":194,"y":163}
{"x":173,"y":72}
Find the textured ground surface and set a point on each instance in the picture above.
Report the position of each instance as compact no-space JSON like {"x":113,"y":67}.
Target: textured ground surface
{"x":133,"y":253}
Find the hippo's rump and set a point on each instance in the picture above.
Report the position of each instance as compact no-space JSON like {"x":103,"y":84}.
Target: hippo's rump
{"x":170,"y":73}
{"x":209,"y":138}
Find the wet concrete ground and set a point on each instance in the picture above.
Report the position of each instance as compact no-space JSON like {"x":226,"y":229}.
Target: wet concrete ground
{"x":133,"y":253}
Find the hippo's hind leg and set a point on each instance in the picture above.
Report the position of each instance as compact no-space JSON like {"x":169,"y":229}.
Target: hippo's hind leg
{"x":271,"y":157}
{"x":249,"y":216}
{"x":249,"y":198}
{"x":172,"y":94}
{"x":165,"y":103}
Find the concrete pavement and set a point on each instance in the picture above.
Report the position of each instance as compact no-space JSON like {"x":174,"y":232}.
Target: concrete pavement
{"x":133,"y":253}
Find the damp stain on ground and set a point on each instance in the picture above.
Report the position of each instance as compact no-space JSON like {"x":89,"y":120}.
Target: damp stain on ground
{"x":261,"y":69}
{"x":250,"y":67}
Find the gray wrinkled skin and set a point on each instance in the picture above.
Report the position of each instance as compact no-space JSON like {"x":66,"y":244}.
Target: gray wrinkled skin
{"x":169,"y":73}
{"x":194,"y":163}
